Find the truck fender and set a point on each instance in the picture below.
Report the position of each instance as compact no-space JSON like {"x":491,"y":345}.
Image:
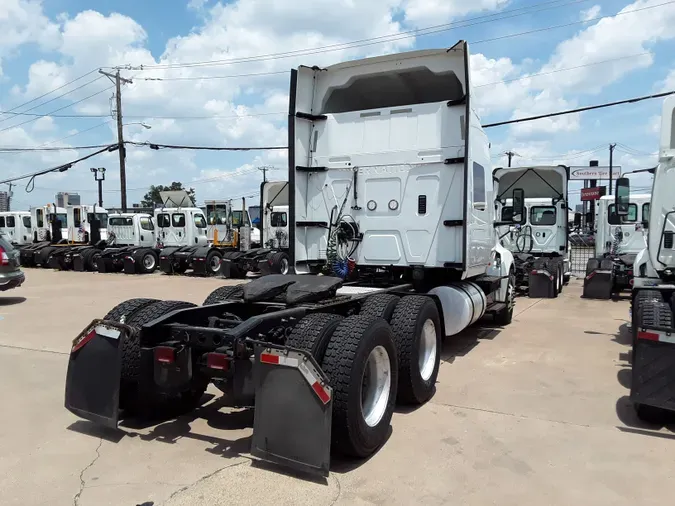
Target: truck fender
{"x":500,"y":266}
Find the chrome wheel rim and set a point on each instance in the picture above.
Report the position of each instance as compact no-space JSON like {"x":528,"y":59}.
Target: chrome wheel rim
{"x":376,"y":386}
{"x":149,"y":261}
{"x":214,"y":264}
{"x":284,"y":266}
{"x":428,"y":345}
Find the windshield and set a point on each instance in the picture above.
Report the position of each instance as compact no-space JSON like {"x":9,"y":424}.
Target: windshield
{"x":26,"y":221}
{"x":542,"y":215}
{"x":119,"y":221}
{"x":216,"y":214}
{"x":101,"y":217}
{"x":614,"y":219}
{"x":254,"y":213}
{"x":63,"y":218}
{"x":200,"y":222}
{"x":237,"y":219}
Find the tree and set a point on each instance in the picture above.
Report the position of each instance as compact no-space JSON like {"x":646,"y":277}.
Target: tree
{"x":152,"y":198}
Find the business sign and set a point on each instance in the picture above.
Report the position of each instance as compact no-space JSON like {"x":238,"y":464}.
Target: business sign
{"x":585,"y":172}
{"x":593,"y":193}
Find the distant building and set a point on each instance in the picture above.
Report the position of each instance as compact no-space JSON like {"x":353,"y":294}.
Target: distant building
{"x":579,"y":208}
{"x":4,"y":202}
{"x":67,"y":199}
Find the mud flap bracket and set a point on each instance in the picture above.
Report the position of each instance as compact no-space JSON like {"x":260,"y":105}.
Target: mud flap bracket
{"x":293,"y":410}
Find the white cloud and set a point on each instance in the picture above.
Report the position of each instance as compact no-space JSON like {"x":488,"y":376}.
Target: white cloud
{"x":423,"y":13}
{"x":197,"y":5}
{"x":591,"y":13}
{"x":45,"y":124}
{"x":22,"y":22}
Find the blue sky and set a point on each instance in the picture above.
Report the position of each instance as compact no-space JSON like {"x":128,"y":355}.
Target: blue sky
{"x":535,"y":66}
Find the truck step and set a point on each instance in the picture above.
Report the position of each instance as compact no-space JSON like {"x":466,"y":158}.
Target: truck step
{"x":496,"y":307}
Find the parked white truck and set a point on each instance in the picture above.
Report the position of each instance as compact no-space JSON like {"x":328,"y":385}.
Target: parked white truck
{"x":16,"y":227}
{"x":653,"y":294}
{"x":618,"y":240}
{"x":391,"y":190}
{"x":539,"y":236}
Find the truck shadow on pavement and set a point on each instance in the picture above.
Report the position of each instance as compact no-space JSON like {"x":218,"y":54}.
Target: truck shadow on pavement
{"x":11,"y":301}
{"x":173,"y":430}
{"x":461,"y":344}
{"x":217,"y":416}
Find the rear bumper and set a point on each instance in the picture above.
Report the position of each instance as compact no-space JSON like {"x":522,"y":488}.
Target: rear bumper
{"x":15,"y":281}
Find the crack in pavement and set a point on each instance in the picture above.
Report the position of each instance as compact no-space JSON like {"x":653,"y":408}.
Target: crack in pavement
{"x":76,"y":498}
{"x":339,"y":490}
{"x":515,"y":415}
{"x":22,"y":348}
{"x":206,"y":477}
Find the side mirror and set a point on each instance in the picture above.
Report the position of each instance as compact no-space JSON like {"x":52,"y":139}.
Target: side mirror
{"x":518,"y":205}
{"x":622,"y":196}
{"x":577,"y":220}
{"x":645,"y":224}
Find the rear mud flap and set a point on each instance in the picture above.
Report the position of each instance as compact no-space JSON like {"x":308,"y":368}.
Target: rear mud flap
{"x":94,"y":369}
{"x":293,"y":410}
{"x":541,"y":284}
{"x":129,"y":265}
{"x":598,"y":285}
{"x":653,"y":374}
{"x":78,"y":263}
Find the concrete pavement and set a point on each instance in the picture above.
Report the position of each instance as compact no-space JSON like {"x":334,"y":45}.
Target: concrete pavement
{"x":535,"y":413}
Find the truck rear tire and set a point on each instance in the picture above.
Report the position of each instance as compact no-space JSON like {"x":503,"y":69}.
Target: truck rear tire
{"x":313,"y":333}
{"x":123,"y":311}
{"x":417,"y":333}
{"x":593,"y":264}
{"x":224,"y":293}
{"x":280,"y":263}
{"x":146,"y":260}
{"x":381,"y":305}
{"x":140,"y":398}
{"x":213,"y":262}
{"x":361,"y":365}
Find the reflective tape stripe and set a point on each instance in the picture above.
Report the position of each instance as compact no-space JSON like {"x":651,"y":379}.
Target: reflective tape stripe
{"x":655,"y":335}
{"x":277,"y":357}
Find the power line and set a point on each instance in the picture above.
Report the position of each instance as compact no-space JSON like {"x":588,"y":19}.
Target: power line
{"x":402,"y":35}
{"x":59,"y":148}
{"x":59,"y":168}
{"x":59,"y":109}
{"x":565,"y":69}
{"x":41,"y":147}
{"x":52,"y":91}
{"x":580,"y":109}
{"x":26,"y":111}
{"x":383,"y":39}
{"x":156,"y":146}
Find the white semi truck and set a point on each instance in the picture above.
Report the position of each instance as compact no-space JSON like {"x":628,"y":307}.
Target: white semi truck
{"x":539,"y":236}
{"x":618,"y":240}
{"x":391,"y":193}
{"x":653,"y":293}
{"x":16,"y":227}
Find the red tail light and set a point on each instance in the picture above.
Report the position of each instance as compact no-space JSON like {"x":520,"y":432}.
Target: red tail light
{"x":165,"y":354}
{"x":4,"y":258}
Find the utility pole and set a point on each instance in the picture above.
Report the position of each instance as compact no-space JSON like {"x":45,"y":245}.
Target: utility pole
{"x":101,"y":171}
{"x":510,"y":154}
{"x":264,"y":170}
{"x":9,"y":197}
{"x":611,"y":165}
{"x":118,"y":80}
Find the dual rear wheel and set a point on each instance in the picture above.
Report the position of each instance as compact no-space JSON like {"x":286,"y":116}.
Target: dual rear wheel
{"x":388,"y":353}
